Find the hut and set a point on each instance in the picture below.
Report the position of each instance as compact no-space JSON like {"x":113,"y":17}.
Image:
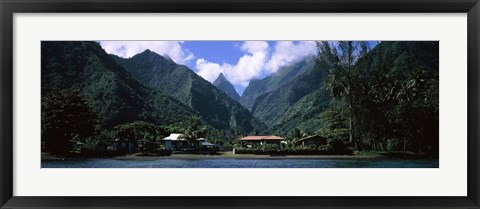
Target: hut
{"x":312,"y":140}
{"x":251,"y":141}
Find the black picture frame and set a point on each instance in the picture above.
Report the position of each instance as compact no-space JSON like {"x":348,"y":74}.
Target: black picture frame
{"x":10,"y":7}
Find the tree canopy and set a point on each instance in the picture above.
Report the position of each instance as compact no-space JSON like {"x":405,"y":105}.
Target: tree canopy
{"x":66,"y":115}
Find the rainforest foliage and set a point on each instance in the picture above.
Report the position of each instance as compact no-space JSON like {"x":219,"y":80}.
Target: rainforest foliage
{"x":383,"y":98}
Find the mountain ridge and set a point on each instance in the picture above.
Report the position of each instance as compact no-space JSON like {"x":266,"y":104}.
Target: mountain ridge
{"x":178,"y":81}
{"x":275,"y":94}
{"x":113,"y":93}
{"x":223,"y":84}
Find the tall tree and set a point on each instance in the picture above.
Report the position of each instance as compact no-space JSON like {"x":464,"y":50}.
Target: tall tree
{"x":396,"y":98}
{"x":66,"y":115}
{"x":194,"y":129}
{"x":342,"y":57}
{"x":140,"y":130}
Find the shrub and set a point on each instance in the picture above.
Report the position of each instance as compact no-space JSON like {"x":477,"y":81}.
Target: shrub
{"x":290,"y":151}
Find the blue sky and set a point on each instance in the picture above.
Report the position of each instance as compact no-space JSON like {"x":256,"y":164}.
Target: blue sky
{"x":239,"y":61}
{"x":215,"y":51}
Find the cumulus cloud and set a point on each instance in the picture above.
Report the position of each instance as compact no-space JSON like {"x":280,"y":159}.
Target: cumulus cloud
{"x":258,"y":60}
{"x":126,"y":49}
{"x":209,"y":70}
{"x":249,"y":66}
{"x":288,"y":52}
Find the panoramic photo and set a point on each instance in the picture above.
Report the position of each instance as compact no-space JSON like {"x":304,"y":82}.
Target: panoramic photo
{"x":240,"y":104}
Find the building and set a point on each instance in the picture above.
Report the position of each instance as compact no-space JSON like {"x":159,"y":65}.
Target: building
{"x":315,"y":140}
{"x":175,"y":142}
{"x":204,"y":143}
{"x":252,"y":141}
{"x":122,"y":145}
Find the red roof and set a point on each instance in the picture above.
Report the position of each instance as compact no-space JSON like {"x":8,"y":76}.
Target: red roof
{"x":251,"y":138}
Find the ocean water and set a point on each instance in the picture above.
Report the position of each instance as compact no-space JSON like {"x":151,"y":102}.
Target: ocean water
{"x":240,"y":163}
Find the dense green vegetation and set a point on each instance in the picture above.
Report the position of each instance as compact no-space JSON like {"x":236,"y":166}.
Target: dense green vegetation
{"x":385,"y":98}
{"x":343,"y":71}
{"x":223,"y":84}
{"x":269,"y":150}
{"x":304,"y":113}
{"x":276,"y":94}
{"x":388,"y":100}
{"x":283,"y":77}
{"x":193,"y":129}
{"x":140,"y":130}
{"x":214,"y":106}
{"x":111,"y":90}
{"x":66,"y":116}
{"x":396,"y":97}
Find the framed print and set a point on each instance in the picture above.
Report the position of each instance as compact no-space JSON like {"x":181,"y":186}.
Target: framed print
{"x":266,"y":104}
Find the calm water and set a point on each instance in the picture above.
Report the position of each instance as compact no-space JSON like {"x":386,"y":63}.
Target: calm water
{"x":240,"y":163}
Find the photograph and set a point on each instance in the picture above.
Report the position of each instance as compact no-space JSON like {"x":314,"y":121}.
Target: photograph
{"x":239,"y":104}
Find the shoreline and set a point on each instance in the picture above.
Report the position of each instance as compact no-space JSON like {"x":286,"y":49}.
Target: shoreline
{"x":195,"y":157}
{"x":230,"y":155}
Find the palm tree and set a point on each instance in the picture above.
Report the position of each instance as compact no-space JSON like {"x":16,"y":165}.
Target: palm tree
{"x":342,"y":57}
{"x":294,"y":135}
{"x":194,"y":129}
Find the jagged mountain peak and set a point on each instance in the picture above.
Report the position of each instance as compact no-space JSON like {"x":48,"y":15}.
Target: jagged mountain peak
{"x":181,"y":83}
{"x":223,"y":84}
{"x":221,"y":76}
{"x":117,"y":97}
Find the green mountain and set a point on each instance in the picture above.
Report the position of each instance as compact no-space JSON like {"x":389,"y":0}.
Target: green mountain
{"x":223,"y":84}
{"x":178,"y":81}
{"x":111,"y":91}
{"x":270,"y":83}
{"x":397,"y":80}
{"x":397,"y":95}
{"x":304,"y":113}
{"x":273,"y":96}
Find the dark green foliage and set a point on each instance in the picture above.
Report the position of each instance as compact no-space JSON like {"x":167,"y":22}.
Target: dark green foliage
{"x":194,"y":129}
{"x":296,"y":134}
{"x":140,"y":130}
{"x":66,"y":116}
{"x":398,"y":97}
{"x":292,"y":151}
{"x":271,"y":83}
{"x":304,"y":113}
{"x":343,"y":74}
{"x":223,"y":84}
{"x":385,"y":100}
{"x":147,"y":136}
{"x":334,"y":125}
{"x":219,"y":137}
{"x":393,"y":101}
{"x":101,"y":138}
{"x":114,"y":94}
{"x":293,"y":136}
{"x":281,"y":91}
{"x":214,"y":106}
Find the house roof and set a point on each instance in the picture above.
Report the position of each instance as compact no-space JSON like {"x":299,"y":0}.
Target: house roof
{"x":208,"y":144}
{"x":253,"y":138}
{"x":314,"y":137}
{"x":174,"y":137}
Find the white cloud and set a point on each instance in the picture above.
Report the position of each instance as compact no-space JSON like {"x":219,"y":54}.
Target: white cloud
{"x":127,"y":49}
{"x":249,"y":66}
{"x":257,"y":61}
{"x":209,"y":70}
{"x":288,"y":52}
